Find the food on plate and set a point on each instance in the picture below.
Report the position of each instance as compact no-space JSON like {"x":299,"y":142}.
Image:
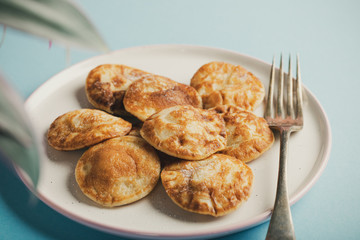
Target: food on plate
{"x":220,"y":83}
{"x":83,"y":128}
{"x":147,"y":96}
{"x":106,"y":85}
{"x":202,"y":152}
{"x":185,"y":132}
{"x":248,"y":136}
{"x":118,"y":171}
{"x":214,"y":186}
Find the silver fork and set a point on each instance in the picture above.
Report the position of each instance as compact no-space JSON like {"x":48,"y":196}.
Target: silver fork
{"x":286,"y":118}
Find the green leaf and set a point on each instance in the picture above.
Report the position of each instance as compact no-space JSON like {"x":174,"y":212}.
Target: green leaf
{"x":57,"y":20}
{"x":17,"y":141}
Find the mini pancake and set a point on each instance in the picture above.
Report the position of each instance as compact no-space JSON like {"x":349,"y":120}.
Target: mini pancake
{"x":148,"y":96}
{"x":118,"y":171}
{"x":185,"y":132}
{"x":83,"y":128}
{"x":214,"y":186}
{"x":106,"y":85}
{"x":220,"y":83}
{"x":248,"y":136}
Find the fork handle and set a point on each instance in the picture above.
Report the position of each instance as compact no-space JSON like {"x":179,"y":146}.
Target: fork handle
{"x":281,"y":226}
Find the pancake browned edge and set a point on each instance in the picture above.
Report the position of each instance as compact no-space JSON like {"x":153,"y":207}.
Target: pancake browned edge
{"x":83,"y":128}
{"x":150,"y":95}
{"x":215,"y":186}
{"x":220,"y":83}
{"x":185,"y":132}
{"x":248,"y":136}
{"x":118,"y":171}
{"x":106,"y":85}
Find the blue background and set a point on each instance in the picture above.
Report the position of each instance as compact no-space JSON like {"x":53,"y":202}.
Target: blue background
{"x":326,"y":34}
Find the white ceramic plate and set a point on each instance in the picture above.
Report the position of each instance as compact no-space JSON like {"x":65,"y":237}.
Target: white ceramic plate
{"x":156,"y":216}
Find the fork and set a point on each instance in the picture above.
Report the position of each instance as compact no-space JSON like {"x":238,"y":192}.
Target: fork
{"x":285,"y":118}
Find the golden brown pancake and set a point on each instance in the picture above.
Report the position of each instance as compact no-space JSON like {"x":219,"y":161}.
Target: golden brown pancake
{"x":118,"y":171}
{"x":83,"y":128}
{"x":185,"y":132}
{"x":106,"y":85}
{"x":214,"y":186}
{"x":248,"y":136}
{"x":220,"y":83}
{"x":148,"y":96}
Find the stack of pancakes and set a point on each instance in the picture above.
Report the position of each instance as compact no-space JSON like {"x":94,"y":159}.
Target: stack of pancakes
{"x":202,"y":135}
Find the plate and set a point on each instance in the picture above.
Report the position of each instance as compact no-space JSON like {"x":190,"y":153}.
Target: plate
{"x":156,"y":216}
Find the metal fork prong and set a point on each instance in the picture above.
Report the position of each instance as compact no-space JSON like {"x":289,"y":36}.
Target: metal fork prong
{"x":290,"y":103}
{"x":269,"y":111}
{"x":280,"y":96}
{"x":299,"y":99}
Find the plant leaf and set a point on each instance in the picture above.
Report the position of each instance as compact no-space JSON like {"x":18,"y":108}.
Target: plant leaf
{"x":57,"y":20}
{"x":17,"y":141}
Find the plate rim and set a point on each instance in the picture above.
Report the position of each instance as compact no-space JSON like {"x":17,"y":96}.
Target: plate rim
{"x":256,"y":220}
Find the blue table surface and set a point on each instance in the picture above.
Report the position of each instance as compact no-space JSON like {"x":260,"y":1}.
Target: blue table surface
{"x":326,"y":34}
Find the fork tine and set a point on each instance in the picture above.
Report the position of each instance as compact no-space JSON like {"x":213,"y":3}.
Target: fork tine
{"x":290,"y":104}
{"x":280,"y":96}
{"x":269,"y":111}
{"x":299,"y":100}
